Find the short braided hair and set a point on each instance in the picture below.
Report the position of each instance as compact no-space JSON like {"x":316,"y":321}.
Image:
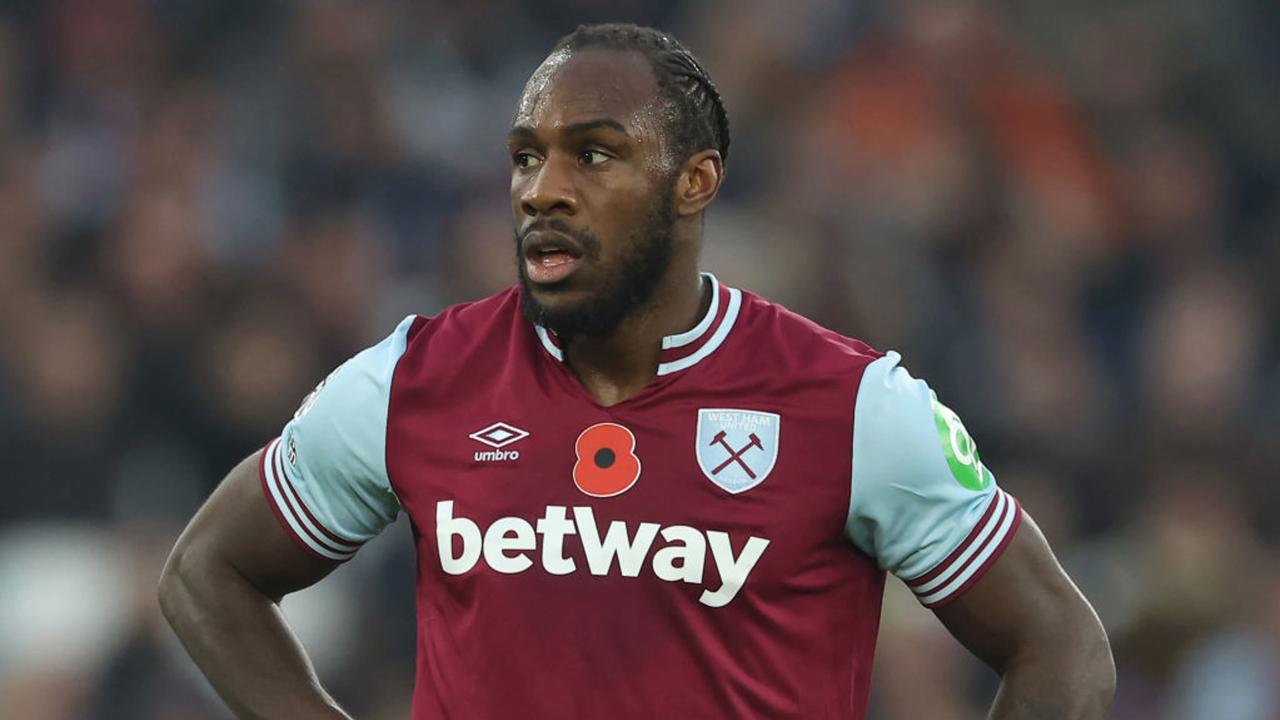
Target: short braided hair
{"x":700,"y":120}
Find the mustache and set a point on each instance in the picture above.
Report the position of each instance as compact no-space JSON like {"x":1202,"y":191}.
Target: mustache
{"x":587,"y":241}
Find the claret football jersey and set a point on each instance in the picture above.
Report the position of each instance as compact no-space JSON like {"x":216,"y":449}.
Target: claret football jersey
{"x":714,"y":546}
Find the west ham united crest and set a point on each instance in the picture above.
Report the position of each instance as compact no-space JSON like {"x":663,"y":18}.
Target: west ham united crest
{"x":737,"y":448}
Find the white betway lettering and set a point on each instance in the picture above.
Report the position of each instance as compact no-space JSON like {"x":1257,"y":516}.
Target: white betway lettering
{"x":630,"y":552}
{"x":446,"y":528}
{"x":506,"y":534}
{"x":733,"y":571}
{"x":553,"y":527}
{"x":506,"y":544}
{"x":691,"y":552}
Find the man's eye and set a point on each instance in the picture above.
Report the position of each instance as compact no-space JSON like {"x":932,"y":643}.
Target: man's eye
{"x":592,"y":157}
{"x":525,"y":160}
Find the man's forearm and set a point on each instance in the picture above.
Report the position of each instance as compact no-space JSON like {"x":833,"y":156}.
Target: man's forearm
{"x":241,"y":642}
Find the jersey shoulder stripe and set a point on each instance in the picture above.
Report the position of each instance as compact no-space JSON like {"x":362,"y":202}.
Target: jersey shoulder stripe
{"x":293,"y":514}
{"x":954,"y":575}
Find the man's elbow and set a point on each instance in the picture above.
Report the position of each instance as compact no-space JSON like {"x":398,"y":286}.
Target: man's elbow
{"x":167,"y":588}
{"x":173,"y":591}
{"x":1082,"y":670}
{"x":1099,"y":669}
{"x":1070,"y":670}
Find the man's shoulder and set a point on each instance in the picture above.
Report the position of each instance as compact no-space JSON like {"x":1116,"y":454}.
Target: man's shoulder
{"x":793,"y":338}
{"x":469,"y":318}
{"x":465,"y":323}
{"x":474,"y":334}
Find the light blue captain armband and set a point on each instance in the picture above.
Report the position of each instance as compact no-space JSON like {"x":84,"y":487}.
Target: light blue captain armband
{"x":325,"y":477}
{"x":922,"y":503}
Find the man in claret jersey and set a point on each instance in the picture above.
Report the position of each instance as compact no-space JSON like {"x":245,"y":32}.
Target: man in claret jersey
{"x":637,"y":492}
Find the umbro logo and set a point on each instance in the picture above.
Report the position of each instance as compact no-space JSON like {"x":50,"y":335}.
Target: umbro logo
{"x":498,"y":436}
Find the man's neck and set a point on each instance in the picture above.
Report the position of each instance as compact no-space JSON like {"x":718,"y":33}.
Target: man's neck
{"x":616,"y":366}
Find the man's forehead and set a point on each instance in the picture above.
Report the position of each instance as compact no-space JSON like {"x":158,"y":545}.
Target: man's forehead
{"x":587,"y":84}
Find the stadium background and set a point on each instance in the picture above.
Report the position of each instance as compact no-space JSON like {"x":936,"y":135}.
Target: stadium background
{"x":1066,"y":215}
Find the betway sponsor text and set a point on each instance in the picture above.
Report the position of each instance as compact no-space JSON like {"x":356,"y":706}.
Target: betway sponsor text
{"x":510,"y":545}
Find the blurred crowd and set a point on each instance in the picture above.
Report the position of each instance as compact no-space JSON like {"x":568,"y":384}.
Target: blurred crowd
{"x":1065,"y":215}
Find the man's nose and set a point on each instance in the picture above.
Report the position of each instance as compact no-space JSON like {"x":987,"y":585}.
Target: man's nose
{"x":550,"y":190}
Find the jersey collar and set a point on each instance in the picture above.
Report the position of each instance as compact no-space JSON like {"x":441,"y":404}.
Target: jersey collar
{"x":686,"y":349}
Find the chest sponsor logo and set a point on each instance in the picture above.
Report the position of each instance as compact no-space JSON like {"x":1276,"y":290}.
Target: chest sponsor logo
{"x":498,"y":436}
{"x":737,"y":449}
{"x":675,"y":553}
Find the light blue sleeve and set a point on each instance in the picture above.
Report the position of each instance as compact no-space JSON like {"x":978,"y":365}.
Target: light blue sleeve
{"x":326,"y":475}
{"x":922,"y":503}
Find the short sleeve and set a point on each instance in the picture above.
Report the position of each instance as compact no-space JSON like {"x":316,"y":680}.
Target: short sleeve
{"x":922,"y":503}
{"x":325,"y":477}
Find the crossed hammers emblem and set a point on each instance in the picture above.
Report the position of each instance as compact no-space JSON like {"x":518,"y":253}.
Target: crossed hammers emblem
{"x":736,"y":455}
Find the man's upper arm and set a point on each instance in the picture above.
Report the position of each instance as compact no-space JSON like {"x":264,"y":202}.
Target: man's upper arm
{"x":325,"y":478}
{"x":921,"y":501}
{"x":237,"y":529}
{"x":927,"y":509}
{"x":1024,"y":603}
{"x":307,"y":501}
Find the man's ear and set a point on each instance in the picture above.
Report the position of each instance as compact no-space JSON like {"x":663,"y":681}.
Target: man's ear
{"x":699,"y":181}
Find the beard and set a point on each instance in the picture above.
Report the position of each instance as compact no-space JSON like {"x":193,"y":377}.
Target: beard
{"x":624,"y":288}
